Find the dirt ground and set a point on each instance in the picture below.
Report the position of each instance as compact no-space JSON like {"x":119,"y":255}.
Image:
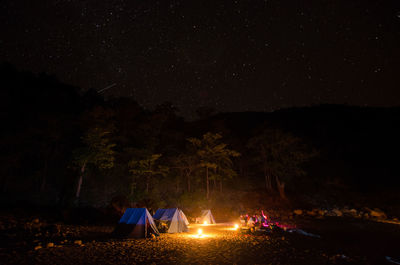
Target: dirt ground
{"x":340,"y":241}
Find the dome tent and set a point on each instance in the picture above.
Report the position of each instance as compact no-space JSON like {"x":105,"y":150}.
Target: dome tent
{"x":207,"y":217}
{"x":173,"y":218}
{"x":136,"y":223}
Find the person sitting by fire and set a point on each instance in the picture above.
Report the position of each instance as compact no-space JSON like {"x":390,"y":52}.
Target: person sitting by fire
{"x":263,"y":219}
{"x":242,"y":220}
{"x":256,"y":220}
{"x":251,"y":222}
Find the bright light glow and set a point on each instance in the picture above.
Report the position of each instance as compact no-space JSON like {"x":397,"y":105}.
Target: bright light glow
{"x":200,"y":236}
{"x":205,"y":222}
{"x":200,"y":231}
{"x":230,"y":227}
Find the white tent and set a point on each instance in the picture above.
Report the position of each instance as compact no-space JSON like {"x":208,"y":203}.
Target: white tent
{"x":207,"y":217}
{"x":174,"y":217}
{"x":136,"y":222}
{"x":184,"y":217}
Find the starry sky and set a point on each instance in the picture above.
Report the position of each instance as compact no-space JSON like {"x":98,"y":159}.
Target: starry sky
{"x":228,"y":55}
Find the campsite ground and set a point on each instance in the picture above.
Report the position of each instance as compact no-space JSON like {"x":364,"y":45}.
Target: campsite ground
{"x":342,"y":241}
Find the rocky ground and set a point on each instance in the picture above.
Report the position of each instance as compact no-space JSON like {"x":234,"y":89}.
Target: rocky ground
{"x":338,"y":241}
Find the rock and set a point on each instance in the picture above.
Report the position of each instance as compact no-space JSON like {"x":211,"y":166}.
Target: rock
{"x":53,"y":229}
{"x":38,"y":247}
{"x":353,"y":212}
{"x":377,"y":213}
{"x":50,"y":245}
{"x":78,"y":242}
{"x":298,"y":212}
{"x":312,"y":213}
{"x":337,"y":212}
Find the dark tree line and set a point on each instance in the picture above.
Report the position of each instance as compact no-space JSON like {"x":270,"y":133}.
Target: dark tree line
{"x":61,"y":145}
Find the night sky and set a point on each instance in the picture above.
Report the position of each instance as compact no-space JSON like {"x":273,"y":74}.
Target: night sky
{"x":227,"y":55}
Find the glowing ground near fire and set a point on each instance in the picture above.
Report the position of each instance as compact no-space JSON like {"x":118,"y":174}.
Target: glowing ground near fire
{"x":342,"y":241}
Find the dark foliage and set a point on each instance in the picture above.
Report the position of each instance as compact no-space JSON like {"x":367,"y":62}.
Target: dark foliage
{"x":44,"y":123}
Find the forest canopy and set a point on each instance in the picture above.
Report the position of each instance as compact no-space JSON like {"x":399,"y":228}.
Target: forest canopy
{"x":64,"y":146}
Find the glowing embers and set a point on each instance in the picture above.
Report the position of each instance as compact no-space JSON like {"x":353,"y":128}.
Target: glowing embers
{"x":206,"y":223}
{"x":234,"y":228}
{"x":200,"y":234}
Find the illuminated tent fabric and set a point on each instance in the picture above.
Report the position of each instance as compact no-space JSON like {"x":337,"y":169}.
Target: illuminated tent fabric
{"x":175,"y":218}
{"x":206,"y":216}
{"x":184,"y":217}
{"x":137,"y":223}
{"x":158,"y":214}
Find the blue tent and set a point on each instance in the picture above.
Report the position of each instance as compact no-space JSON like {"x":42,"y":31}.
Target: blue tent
{"x":137,"y":223}
{"x":158,"y":214}
{"x":176,"y":219}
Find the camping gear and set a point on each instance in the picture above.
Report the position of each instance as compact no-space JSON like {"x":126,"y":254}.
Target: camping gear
{"x":207,"y":217}
{"x":392,"y":260}
{"x":171,"y":220}
{"x":302,"y":232}
{"x":136,"y":223}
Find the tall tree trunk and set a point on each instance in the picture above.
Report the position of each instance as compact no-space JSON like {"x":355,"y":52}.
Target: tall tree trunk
{"x":267,"y":176}
{"x":220,"y":186}
{"x":281,"y":188}
{"x":78,"y":189}
{"x":208,"y":188}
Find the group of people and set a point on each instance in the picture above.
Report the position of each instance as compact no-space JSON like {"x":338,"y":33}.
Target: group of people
{"x":253,"y":221}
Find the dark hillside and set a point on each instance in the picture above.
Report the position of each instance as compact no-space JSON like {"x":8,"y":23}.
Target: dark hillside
{"x":46,"y":124}
{"x":356,"y":144}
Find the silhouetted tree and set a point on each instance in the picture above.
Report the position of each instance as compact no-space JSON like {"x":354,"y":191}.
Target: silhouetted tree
{"x":281,"y":156}
{"x":212,"y":154}
{"x":147,"y":168}
{"x":186,"y":164}
{"x":97,"y":151}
